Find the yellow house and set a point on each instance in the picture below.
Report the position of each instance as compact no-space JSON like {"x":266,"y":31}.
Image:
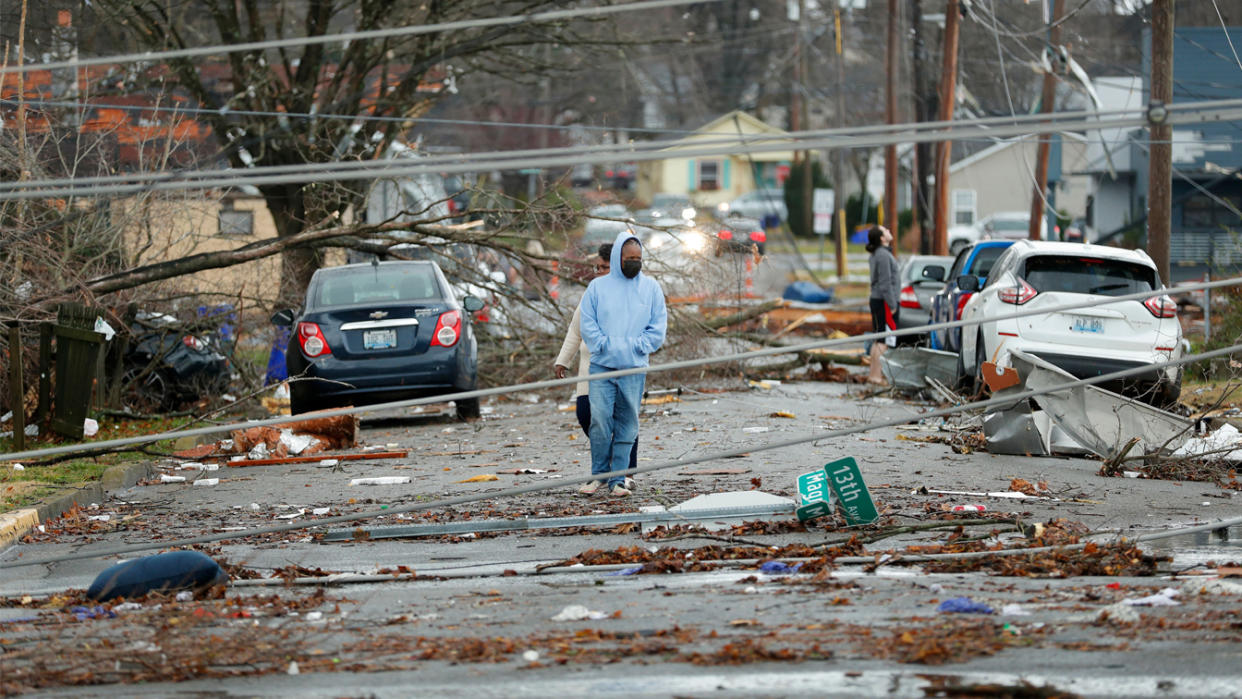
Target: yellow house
{"x":713,"y":179}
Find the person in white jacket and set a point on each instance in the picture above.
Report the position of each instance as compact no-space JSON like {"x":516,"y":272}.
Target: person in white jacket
{"x":572,"y":345}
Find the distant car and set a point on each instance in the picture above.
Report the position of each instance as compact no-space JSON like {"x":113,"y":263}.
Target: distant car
{"x":1098,"y":338}
{"x":378,"y":332}
{"x":1078,"y":231}
{"x":947,"y":304}
{"x":666,"y":206}
{"x":604,"y":223}
{"x":1003,"y":225}
{"x":740,"y":234}
{"x":922,"y":277}
{"x":763,"y":204}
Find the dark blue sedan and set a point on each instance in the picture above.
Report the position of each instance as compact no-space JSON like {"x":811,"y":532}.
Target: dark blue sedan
{"x":378,"y":332}
{"x":947,"y":304}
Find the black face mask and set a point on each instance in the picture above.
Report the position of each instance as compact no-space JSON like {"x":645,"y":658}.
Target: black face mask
{"x":631,"y":268}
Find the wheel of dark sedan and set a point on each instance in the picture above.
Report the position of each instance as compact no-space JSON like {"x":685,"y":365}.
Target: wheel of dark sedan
{"x":467,"y":408}
{"x":961,"y":380}
{"x":301,"y":398}
{"x":145,"y":391}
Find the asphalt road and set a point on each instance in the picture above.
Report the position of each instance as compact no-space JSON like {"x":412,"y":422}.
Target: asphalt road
{"x":480,"y":619}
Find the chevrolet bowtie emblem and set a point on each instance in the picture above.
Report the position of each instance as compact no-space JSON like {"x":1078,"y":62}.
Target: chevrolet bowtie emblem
{"x":379,"y":314}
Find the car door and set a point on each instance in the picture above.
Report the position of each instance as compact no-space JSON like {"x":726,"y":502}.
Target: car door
{"x":943,"y":301}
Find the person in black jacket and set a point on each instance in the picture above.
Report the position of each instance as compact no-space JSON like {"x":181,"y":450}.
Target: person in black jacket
{"x":885,"y":289}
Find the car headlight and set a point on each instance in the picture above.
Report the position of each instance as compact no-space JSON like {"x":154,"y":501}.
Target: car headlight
{"x":694,"y":241}
{"x":723,"y":207}
{"x":689,"y":213}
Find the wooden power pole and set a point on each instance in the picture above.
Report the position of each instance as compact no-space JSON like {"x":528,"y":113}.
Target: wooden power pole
{"x":1160,"y":170}
{"x":890,"y":117}
{"x":948,"y":85}
{"x":838,"y":177}
{"x":1047,"y":103}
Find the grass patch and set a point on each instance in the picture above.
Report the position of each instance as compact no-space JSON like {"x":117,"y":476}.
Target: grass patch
{"x":27,"y":487}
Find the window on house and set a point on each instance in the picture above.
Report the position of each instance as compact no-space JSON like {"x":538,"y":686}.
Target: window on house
{"x":964,"y":207}
{"x":1202,"y":211}
{"x":709,"y":174}
{"x":234,"y":222}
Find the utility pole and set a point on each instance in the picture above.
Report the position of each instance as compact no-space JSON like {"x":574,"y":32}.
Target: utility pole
{"x":838,"y":177}
{"x":923,"y":110}
{"x":948,"y":84}
{"x":1160,"y":170}
{"x":890,"y":117}
{"x":808,"y":195}
{"x":1047,"y":98}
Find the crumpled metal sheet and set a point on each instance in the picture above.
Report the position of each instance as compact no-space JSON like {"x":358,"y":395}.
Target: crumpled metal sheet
{"x":1018,"y":430}
{"x":907,"y":367}
{"x":1100,"y":420}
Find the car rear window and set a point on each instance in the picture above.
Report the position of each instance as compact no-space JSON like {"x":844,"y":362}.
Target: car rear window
{"x":1088,"y":275}
{"x":378,"y":285}
{"x":985,"y":258}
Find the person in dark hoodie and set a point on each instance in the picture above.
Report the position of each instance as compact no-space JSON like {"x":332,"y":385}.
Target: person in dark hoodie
{"x":623,"y":323}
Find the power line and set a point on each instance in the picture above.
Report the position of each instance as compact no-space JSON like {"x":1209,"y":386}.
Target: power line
{"x":860,"y":137}
{"x":396,"y":32}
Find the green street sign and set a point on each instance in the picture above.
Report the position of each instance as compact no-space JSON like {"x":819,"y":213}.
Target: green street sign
{"x":814,"y":497}
{"x":851,"y":492}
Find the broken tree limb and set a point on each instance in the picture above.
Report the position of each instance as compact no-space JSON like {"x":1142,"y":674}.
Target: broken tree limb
{"x":742,"y":316}
{"x":894,"y":531}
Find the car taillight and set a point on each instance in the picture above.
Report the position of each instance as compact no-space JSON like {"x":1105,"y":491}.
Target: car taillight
{"x":1017,"y":295}
{"x":758,"y":237}
{"x":1161,"y":307}
{"x":193,"y":342}
{"x":312,"y":340}
{"x":448,"y":329}
{"x":961,"y":303}
{"x":908,"y":299}
{"x":725,"y":234}
{"x":452,"y":206}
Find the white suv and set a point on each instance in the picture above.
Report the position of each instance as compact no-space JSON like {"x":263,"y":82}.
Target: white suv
{"x":1098,"y":338}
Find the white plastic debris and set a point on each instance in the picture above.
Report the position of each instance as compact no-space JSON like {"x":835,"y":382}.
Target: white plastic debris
{"x":258,"y":451}
{"x":239,"y":457}
{"x":18,"y":467}
{"x":314,"y":616}
{"x":102,"y":327}
{"x":1014,"y":610}
{"x":228,"y":397}
{"x":281,"y":392}
{"x":293,"y":668}
{"x":530,"y":656}
{"x":226,"y":444}
{"x":381,"y":480}
{"x":321,"y":510}
{"x":329,"y":462}
{"x":207,"y":481}
{"x":296,"y":443}
{"x":185,"y":596}
{"x":1215,"y":444}
{"x":754,"y":430}
{"x":165,"y":478}
{"x":254,"y":507}
{"x":577,"y":612}
{"x":1164,"y":598}
{"x":90,"y":427}
{"x":292,"y":515}
{"x":99,"y":518}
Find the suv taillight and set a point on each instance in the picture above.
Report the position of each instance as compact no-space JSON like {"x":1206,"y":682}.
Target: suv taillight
{"x":908,"y":298}
{"x":1017,"y":295}
{"x":725,"y":234}
{"x":448,"y":329}
{"x":758,"y":237}
{"x":1161,"y":306}
{"x":311,"y":338}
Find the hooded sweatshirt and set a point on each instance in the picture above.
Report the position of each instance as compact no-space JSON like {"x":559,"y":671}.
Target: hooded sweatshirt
{"x":623,"y":320}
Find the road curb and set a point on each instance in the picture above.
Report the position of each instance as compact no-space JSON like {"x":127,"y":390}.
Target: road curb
{"x":14,"y":525}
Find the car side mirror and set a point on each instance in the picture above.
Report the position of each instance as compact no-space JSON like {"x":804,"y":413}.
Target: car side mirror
{"x":968,"y":282}
{"x":472,"y":303}
{"x":283,"y":318}
{"x":934,"y":272}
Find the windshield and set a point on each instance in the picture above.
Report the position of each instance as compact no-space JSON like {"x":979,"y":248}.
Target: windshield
{"x":984,"y":259}
{"x":382,"y":284}
{"x":1088,"y":275}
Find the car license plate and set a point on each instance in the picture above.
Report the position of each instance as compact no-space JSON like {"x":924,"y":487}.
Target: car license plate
{"x":379,"y":339}
{"x":1087,"y":325}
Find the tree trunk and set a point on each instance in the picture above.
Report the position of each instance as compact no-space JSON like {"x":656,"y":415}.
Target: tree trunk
{"x":287,"y":206}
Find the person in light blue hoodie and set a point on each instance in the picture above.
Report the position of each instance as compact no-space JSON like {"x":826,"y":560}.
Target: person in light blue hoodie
{"x":623,"y":322}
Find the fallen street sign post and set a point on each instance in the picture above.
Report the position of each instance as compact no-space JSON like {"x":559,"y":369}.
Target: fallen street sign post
{"x":814,"y":497}
{"x":850,"y":491}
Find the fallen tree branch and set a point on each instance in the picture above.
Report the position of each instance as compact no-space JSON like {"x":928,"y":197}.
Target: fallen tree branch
{"x":894,"y":531}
